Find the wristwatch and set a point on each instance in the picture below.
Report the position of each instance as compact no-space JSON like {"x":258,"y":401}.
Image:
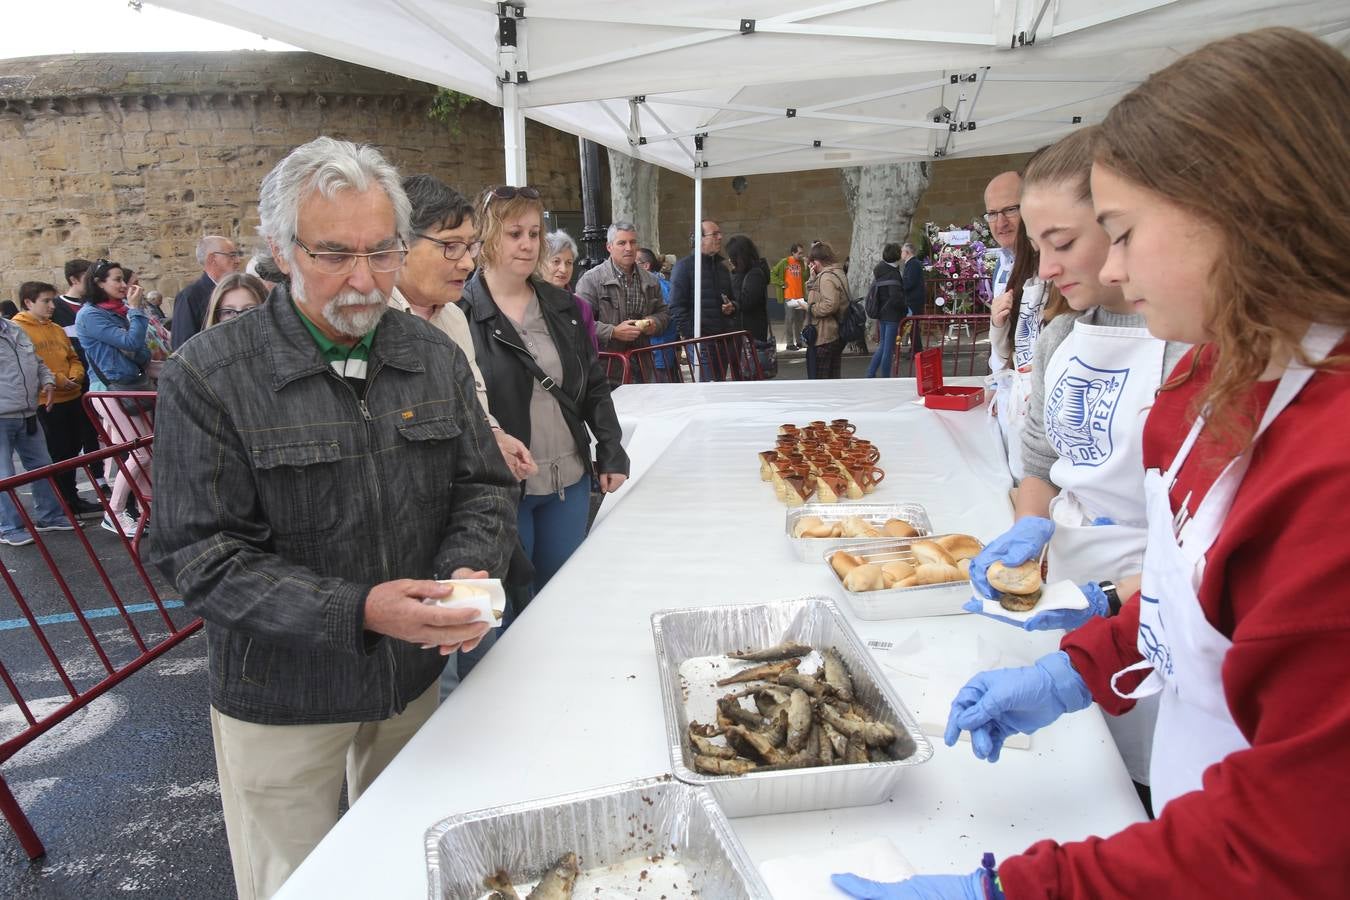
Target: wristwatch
{"x":1112,"y":597}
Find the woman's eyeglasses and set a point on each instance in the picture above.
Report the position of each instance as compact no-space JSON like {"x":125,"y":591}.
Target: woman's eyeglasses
{"x":335,"y":263}
{"x":227,"y":312}
{"x":453,"y":250}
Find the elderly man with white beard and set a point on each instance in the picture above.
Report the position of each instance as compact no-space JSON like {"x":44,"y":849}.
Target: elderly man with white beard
{"x":322,"y":464}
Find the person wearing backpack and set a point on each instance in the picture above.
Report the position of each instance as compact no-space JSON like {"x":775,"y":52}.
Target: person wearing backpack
{"x":885,"y":303}
{"x":827,"y":305}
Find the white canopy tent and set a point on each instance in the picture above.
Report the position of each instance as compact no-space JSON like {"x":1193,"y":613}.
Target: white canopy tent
{"x":776,"y":85}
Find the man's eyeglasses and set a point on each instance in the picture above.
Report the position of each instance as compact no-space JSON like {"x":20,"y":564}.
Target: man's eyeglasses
{"x":713,"y":234}
{"x":1006,"y":212}
{"x":453,"y":250}
{"x":335,"y":263}
{"x":232,"y":254}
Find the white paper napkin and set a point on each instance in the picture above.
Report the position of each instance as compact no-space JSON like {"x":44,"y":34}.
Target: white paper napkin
{"x":807,"y":876}
{"x":1060,"y":595}
{"x":485,"y":595}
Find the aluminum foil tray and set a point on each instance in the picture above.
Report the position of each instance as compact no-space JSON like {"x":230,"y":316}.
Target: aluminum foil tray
{"x":900,"y":603}
{"x":685,"y":634}
{"x":620,"y":827}
{"x":809,"y":549}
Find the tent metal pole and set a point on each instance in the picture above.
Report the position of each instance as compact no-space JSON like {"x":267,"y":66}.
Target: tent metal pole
{"x":513,"y":135}
{"x":698,"y":245}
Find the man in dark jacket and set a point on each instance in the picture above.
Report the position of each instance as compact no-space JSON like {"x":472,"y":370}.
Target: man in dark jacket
{"x":218,"y":257}
{"x":719,"y":310}
{"x":315,"y":457}
{"x":890,"y":309}
{"x":915,"y":293}
{"x":67,"y":306}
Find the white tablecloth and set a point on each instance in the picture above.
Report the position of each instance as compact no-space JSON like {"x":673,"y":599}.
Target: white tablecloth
{"x":569,"y":698}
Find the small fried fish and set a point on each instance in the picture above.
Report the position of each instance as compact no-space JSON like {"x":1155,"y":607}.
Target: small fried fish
{"x":766,"y":672}
{"x":785,"y":650}
{"x":500,"y":885}
{"x":712,"y":765}
{"x":704,"y":747}
{"x":798,"y":720}
{"x":560,"y":880}
{"x":870,"y":733}
{"x":836,"y":674}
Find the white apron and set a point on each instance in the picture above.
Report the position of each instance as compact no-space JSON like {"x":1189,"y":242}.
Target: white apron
{"x":1098,"y":385}
{"x":1195,"y":727}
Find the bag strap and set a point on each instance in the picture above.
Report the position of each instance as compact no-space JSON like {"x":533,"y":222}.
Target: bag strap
{"x":546,"y":381}
{"x":843,"y":307}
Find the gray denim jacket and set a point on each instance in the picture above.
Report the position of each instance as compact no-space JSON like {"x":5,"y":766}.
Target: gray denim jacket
{"x":282,"y":497}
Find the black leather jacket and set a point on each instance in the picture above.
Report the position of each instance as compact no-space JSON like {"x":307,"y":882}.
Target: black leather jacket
{"x":496,"y":344}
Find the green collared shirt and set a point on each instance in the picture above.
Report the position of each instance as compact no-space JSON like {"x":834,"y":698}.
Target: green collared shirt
{"x":349,"y":362}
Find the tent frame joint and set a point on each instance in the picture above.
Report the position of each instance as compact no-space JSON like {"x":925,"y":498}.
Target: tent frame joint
{"x":747,"y":26}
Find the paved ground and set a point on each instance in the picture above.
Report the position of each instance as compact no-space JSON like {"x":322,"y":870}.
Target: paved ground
{"x":124,"y":794}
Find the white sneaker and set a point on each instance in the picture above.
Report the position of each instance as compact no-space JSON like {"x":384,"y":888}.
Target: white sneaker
{"x":127,"y":522}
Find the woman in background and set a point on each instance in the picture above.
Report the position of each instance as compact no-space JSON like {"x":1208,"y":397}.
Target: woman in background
{"x":112,"y":327}
{"x":545,"y":383}
{"x":560,"y":256}
{"x":234,"y":295}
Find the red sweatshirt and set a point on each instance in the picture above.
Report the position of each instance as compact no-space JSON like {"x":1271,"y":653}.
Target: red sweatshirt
{"x":1272,"y":820}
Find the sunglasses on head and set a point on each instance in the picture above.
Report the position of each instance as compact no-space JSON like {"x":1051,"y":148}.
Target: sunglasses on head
{"x":510,"y":192}
{"x":102,"y":267}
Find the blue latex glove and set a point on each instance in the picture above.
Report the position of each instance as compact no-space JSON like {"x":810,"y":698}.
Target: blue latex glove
{"x":1024,"y":541}
{"x":920,"y":887}
{"x":1051,"y":619}
{"x":1001,"y":702}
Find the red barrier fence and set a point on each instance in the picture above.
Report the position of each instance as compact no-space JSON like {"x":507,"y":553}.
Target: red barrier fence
{"x":616,"y":367}
{"x":958,"y":336}
{"x":717,"y":357}
{"x":63,"y":586}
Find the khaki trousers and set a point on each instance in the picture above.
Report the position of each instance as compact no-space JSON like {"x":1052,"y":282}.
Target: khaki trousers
{"x":280,"y":785}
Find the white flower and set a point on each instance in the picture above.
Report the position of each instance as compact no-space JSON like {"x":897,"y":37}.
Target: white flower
{"x":941,"y":301}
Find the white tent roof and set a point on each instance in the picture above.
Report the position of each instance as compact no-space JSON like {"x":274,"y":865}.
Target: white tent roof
{"x":781,"y":85}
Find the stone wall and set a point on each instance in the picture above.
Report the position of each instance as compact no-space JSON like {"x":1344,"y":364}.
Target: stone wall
{"x":135,"y":156}
{"x":778,"y":210}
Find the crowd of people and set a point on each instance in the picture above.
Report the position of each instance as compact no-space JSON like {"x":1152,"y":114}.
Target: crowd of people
{"x":409,"y":389}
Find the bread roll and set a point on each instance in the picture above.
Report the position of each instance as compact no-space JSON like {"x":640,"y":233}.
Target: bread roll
{"x":856,"y":526}
{"x":837,"y":529}
{"x":964,"y":566}
{"x":1016,"y":588}
{"x":867,"y":577}
{"x":937,"y":573}
{"x":899,"y":528}
{"x":1023,"y":579}
{"x":960,"y":546}
{"x":929,"y":552}
{"x":896,"y":571}
{"x":812,"y":527}
{"x":844,"y":562}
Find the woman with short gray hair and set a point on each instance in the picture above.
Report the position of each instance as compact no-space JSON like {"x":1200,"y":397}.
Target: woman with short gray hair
{"x":555,"y":267}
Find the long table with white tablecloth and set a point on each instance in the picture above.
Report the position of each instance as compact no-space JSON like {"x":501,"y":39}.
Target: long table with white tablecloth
{"x":568,"y":699}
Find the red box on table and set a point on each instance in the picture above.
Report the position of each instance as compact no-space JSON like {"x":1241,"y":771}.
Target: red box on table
{"x":928,"y":375}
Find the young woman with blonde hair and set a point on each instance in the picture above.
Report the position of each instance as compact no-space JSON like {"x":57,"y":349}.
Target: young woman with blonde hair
{"x":1222,"y":184}
{"x":544,"y":382}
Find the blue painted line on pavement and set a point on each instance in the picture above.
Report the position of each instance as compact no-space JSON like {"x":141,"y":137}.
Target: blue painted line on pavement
{"x":105,"y":612}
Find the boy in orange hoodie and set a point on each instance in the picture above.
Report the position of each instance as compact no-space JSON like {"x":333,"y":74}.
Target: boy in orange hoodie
{"x":62,"y":421}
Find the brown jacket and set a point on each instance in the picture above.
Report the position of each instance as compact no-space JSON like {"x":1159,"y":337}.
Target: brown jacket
{"x":827,"y":302}
{"x":600,"y":287}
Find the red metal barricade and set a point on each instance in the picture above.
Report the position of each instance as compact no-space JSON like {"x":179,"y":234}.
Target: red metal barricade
{"x":75,"y":588}
{"x":964,"y":340}
{"x":718,"y":357}
{"x":616,"y":367}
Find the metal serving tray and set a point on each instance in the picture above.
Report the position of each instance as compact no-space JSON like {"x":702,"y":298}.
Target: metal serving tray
{"x":900,"y":603}
{"x":684,"y":634}
{"x":607,"y":826}
{"x":809,"y":549}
